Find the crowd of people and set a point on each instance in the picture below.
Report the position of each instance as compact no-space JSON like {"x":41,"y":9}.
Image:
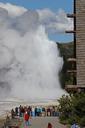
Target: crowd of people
{"x":30,"y":111}
{"x":34,"y":111}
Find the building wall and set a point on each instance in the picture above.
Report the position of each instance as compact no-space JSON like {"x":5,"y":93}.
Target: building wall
{"x":80,"y":41}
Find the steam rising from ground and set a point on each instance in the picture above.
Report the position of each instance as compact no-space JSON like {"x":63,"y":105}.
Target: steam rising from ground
{"x":29,"y":61}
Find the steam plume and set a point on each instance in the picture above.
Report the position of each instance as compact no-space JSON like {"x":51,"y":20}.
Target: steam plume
{"x":29,"y":61}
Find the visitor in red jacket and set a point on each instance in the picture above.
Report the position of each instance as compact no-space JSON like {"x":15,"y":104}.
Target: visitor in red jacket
{"x":26,"y":119}
{"x":49,"y":125}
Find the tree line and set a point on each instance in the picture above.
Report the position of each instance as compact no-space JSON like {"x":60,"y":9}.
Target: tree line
{"x":72,"y":108}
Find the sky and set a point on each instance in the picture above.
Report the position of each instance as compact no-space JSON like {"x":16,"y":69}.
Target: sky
{"x":53,"y":5}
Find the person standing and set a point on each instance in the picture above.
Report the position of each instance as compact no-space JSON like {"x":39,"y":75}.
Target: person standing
{"x":12,"y":114}
{"x":26,"y":119}
{"x":33,"y":111}
{"x":75,"y":125}
{"x":49,"y":125}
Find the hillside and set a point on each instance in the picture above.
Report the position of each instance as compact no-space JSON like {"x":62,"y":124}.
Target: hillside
{"x":66,"y":51}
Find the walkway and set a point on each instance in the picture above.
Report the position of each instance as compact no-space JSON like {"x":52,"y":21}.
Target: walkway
{"x":41,"y":122}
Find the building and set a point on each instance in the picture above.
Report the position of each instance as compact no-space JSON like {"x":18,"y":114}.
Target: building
{"x":78,"y":62}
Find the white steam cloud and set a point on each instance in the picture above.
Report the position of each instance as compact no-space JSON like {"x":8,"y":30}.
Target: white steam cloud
{"x":29,"y":61}
{"x":55,"y":22}
{"x":13,"y":10}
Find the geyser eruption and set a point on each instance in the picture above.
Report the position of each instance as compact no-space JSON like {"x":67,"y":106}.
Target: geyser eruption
{"x":29,"y":61}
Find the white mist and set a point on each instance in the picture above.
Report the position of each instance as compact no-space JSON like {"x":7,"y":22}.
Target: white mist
{"x":30,"y":62}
